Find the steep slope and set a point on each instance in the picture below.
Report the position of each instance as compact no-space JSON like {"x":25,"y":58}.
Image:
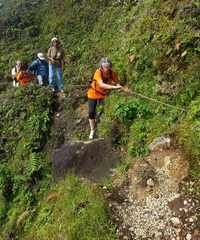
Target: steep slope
{"x":32,"y":204}
{"x":154,"y":46}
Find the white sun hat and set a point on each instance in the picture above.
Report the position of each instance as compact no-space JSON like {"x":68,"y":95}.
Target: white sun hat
{"x":41,"y":56}
{"x":54,"y":39}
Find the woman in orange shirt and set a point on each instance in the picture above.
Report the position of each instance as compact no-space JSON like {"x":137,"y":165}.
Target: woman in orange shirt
{"x":24,"y":77}
{"x":104,"y":80}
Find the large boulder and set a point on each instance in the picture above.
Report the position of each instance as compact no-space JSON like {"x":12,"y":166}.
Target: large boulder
{"x":92,"y":159}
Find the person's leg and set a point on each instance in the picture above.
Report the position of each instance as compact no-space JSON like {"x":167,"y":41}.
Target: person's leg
{"x":60,"y":83}
{"x":40,"y":80}
{"x":100,"y":104}
{"x":51,"y":76}
{"x":92,"y":125}
{"x":92,"y":103}
{"x":45,"y":80}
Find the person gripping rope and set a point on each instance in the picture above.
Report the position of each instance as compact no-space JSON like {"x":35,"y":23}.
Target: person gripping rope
{"x":103,"y":81}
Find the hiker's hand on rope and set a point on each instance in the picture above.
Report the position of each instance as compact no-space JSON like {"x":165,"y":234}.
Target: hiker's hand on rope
{"x":118,"y":86}
{"x":126,"y":89}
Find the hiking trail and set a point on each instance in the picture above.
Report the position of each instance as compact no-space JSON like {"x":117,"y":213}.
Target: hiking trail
{"x":150,"y":203}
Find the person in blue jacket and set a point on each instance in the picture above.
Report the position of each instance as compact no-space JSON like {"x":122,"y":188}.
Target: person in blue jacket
{"x":40,"y":68}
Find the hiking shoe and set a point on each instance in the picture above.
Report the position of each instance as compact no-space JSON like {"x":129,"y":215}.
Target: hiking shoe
{"x":91,"y":136}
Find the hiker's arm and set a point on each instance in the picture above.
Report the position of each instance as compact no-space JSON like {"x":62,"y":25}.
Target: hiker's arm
{"x":49,"y":55}
{"x":108,"y":86}
{"x":32,"y":67}
{"x":63,"y":63}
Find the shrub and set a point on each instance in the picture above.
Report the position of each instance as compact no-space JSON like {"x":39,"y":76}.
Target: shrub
{"x":188,"y":134}
{"x":129,"y":110}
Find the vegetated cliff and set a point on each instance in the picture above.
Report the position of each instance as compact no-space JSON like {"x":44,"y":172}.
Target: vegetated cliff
{"x":154,"y":46}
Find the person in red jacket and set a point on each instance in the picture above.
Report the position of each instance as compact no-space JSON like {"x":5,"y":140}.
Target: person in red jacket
{"x":24,"y":77}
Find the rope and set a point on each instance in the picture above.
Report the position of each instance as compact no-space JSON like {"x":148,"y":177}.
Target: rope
{"x":128,"y":92}
{"x":131,"y":93}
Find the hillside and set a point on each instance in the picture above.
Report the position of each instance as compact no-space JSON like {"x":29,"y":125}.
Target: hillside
{"x":154,"y":46}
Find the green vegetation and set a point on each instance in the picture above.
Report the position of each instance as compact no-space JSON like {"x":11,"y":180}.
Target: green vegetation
{"x":135,"y":123}
{"x":189,"y":136}
{"x":25,"y":122}
{"x":32,"y":205}
{"x":154,"y":46}
{"x":75,"y":210}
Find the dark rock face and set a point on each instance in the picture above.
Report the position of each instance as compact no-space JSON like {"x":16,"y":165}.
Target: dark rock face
{"x":93,"y":159}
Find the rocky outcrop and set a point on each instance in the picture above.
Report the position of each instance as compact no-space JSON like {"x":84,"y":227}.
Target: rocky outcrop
{"x":92,"y":159}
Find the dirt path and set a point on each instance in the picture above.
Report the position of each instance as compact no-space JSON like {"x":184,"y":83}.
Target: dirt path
{"x":151,"y":205}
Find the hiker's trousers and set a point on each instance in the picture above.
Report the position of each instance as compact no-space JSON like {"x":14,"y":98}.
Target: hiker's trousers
{"x":92,"y":107}
{"x":56,"y":77}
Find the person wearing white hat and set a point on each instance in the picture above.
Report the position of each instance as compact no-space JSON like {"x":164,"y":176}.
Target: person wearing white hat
{"x":56,"y":62}
{"x":54,"y":39}
{"x":40,"y":68}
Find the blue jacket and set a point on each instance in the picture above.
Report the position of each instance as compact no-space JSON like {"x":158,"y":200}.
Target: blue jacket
{"x":39,"y":67}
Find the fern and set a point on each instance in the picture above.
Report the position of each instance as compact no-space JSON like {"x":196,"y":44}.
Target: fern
{"x":34,"y":164}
